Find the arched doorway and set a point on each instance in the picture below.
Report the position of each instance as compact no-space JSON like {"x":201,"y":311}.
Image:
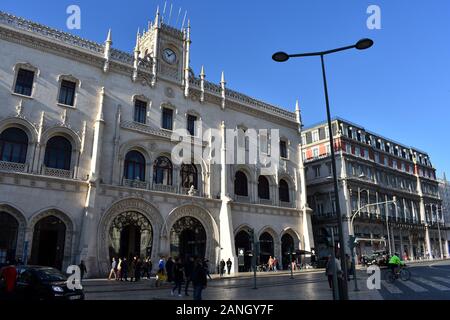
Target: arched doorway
{"x":266,"y":248}
{"x":9,"y":228}
{"x":188,"y":238}
{"x":287,"y":245}
{"x":242,"y":243}
{"x":49,"y":238}
{"x":131,"y":234}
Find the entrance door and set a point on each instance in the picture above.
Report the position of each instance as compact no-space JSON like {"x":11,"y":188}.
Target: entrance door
{"x":188,"y":238}
{"x":287,"y":245}
{"x":131,"y":235}
{"x":242,"y":241}
{"x":130,"y":241}
{"x":48,"y":242}
{"x":8,"y":237}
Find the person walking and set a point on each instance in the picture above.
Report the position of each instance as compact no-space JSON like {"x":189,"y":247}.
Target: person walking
{"x":206,"y":266}
{"x":275,"y":264}
{"x":199,"y":279}
{"x":83,"y":269}
{"x":270,"y":263}
{"x":9,"y":274}
{"x":169,"y":269}
{"x":229,"y":264}
{"x":188,"y":269}
{"x":330,"y":269}
{"x":113,"y":269}
{"x":222,"y":267}
{"x":124,"y":272}
{"x":349,"y":262}
{"x":138,"y":270}
{"x":178,"y":276}
{"x":132,"y":269}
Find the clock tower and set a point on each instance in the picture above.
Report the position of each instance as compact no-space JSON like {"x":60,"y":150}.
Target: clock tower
{"x":168,"y":50}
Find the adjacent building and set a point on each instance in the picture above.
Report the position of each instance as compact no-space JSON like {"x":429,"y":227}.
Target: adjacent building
{"x":444,"y":192}
{"x":85,"y":155}
{"x":373,"y":171}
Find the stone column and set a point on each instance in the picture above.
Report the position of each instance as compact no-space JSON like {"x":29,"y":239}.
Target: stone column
{"x":226,"y":231}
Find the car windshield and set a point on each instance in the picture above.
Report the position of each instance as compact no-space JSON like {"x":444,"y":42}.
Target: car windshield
{"x":49,"y":274}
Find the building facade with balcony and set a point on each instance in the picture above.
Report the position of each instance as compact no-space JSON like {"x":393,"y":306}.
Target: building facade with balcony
{"x":444,"y":192}
{"x":86,"y":169}
{"x":371,"y":171}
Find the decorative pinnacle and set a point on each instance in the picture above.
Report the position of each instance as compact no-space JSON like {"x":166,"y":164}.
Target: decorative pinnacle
{"x":137,"y":40}
{"x":109,"y":38}
{"x":222,"y":80}
{"x":202,"y":72}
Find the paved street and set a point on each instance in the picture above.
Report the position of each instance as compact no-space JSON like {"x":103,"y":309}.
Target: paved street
{"x":428,"y":281}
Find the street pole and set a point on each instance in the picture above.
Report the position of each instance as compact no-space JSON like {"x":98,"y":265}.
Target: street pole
{"x":290,"y":263}
{"x":254,"y":261}
{"x":333,"y":257}
{"x":336,"y":188}
{"x":439,"y":232}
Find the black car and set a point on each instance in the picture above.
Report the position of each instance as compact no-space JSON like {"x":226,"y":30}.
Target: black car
{"x":44,"y":283}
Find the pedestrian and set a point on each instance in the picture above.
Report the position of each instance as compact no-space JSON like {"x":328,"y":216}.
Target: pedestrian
{"x":124,"y":273}
{"x":348,"y":260}
{"x":222,"y":267}
{"x":138,"y":270}
{"x":178,"y":276}
{"x":330,"y":269}
{"x":113,"y":269}
{"x":9,"y":274}
{"x":83,"y":269}
{"x":169,"y":269}
{"x":229,"y":264}
{"x":199,"y":279}
{"x":206,"y":266}
{"x":132,"y":269}
{"x":275,"y":264}
{"x":161,"y":274}
{"x":270,"y":264}
{"x":188,"y":269}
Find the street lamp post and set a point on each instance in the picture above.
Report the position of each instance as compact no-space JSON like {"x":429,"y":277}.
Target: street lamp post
{"x":251,"y":233}
{"x":290,"y":262}
{"x":282,"y":57}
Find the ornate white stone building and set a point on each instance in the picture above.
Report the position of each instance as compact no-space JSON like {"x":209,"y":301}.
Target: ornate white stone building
{"x":85,"y":167}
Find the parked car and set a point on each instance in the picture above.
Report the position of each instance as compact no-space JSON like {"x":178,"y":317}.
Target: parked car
{"x":44,"y":283}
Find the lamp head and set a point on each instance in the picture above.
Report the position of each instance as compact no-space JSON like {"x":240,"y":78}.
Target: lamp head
{"x":363,"y":44}
{"x":280,"y":57}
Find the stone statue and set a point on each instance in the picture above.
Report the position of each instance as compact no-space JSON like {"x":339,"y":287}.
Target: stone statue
{"x":191,"y":191}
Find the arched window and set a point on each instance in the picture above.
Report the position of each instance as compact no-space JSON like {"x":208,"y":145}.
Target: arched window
{"x":240,"y":184}
{"x":13,"y":145}
{"x":189,"y":176}
{"x":263,"y":188}
{"x":162,"y":171}
{"x":58,"y":153}
{"x":284,"y":191}
{"x":134,"y":166}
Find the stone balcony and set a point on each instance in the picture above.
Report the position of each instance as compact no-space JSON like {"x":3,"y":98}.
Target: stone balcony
{"x":137,"y":184}
{"x":12,"y":166}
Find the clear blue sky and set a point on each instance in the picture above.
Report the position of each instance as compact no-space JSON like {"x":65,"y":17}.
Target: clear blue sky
{"x":400,"y":88}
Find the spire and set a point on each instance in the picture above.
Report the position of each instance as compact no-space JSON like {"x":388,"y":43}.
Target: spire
{"x":202,"y":84}
{"x":136,"y":48}
{"x":202,"y":73}
{"x":109,"y":38}
{"x":222,"y":85}
{"x":188,"y":31}
{"x":298,"y":114}
{"x":157,"y":18}
{"x":108,"y":44}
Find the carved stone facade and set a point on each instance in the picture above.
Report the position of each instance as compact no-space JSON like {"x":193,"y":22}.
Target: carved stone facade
{"x":86,"y":164}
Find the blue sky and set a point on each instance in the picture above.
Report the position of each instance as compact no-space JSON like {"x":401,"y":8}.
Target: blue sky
{"x":400,"y":88}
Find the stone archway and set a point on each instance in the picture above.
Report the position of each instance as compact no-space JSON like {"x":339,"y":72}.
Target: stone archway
{"x":51,"y":238}
{"x":139,"y":207}
{"x":207,"y":222}
{"x":12,"y":248}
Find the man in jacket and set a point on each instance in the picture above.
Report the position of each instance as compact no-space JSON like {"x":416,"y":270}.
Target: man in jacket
{"x":229,"y":264}
{"x":188,"y":270}
{"x":199,"y":279}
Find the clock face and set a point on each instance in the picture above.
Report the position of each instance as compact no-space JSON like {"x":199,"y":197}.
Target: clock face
{"x":169,"y":56}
